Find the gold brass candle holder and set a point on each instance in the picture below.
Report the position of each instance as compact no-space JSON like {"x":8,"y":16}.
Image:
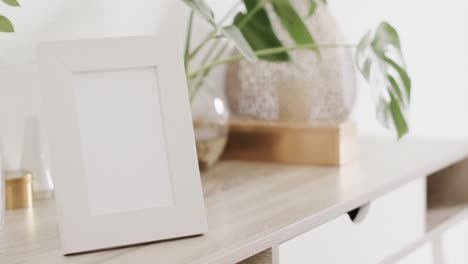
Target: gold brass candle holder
{"x":18,"y":189}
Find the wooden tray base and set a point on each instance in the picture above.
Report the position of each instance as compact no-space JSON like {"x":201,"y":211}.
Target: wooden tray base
{"x":292,"y":143}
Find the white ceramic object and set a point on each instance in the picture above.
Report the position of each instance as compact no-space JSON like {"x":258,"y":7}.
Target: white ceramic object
{"x":313,"y":88}
{"x":122,"y":145}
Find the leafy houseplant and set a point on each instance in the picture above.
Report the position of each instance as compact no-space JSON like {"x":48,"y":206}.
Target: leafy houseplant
{"x":378,"y":55}
{"x":5,"y":23}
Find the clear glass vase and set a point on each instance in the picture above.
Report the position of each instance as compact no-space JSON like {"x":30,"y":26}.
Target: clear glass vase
{"x":210,"y":115}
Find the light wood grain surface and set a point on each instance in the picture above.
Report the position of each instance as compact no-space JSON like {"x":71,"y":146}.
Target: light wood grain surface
{"x":251,"y":207}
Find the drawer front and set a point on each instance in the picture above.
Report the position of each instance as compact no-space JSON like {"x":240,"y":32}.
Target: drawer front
{"x":422,"y":255}
{"x":391,"y":221}
{"x":448,"y":247}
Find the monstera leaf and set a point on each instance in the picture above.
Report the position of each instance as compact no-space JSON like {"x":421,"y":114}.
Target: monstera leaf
{"x":5,"y":25}
{"x":380,"y":60}
{"x":257,"y":29}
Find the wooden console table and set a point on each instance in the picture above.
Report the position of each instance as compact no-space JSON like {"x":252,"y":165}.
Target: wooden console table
{"x":253,"y":208}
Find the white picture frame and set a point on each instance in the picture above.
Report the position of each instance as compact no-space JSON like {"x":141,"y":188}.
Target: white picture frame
{"x":123,"y":156}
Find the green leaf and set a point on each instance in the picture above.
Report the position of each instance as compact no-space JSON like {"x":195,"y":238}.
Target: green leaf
{"x":232,"y":32}
{"x":292,"y":22}
{"x":380,"y":60}
{"x":5,"y":25}
{"x":203,"y":9}
{"x":398,"y":118}
{"x":11,"y":2}
{"x":257,"y":29}
{"x":385,"y":37}
{"x":396,"y":89}
{"x":403,"y":74}
{"x":312,"y":8}
{"x":362,"y":58}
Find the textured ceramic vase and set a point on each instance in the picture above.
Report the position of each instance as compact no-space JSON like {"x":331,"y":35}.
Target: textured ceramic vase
{"x":313,"y":88}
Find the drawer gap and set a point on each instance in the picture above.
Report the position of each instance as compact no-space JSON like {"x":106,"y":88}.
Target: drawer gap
{"x":359,"y":214}
{"x":447,"y":195}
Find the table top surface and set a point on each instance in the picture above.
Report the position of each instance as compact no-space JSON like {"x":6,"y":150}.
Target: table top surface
{"x":250,"y":206}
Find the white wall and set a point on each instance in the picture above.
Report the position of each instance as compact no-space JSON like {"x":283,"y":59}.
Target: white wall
{"x":435,"y":42}
{"x":434,"y":34}
{"x":45,"y":20}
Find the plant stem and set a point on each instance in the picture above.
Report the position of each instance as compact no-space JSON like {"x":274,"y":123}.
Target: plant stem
{"x":252,"y":13}
{"x":212,"y":33}
{"x":207,"y":56}
{"x":205,"y":73}
{"x":264,"y":52}
{"x":212,"y":49}
{"x":188,"y":40}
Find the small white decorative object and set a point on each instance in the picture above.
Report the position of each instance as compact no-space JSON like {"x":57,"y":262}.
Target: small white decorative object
{"x":123,"y":154}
